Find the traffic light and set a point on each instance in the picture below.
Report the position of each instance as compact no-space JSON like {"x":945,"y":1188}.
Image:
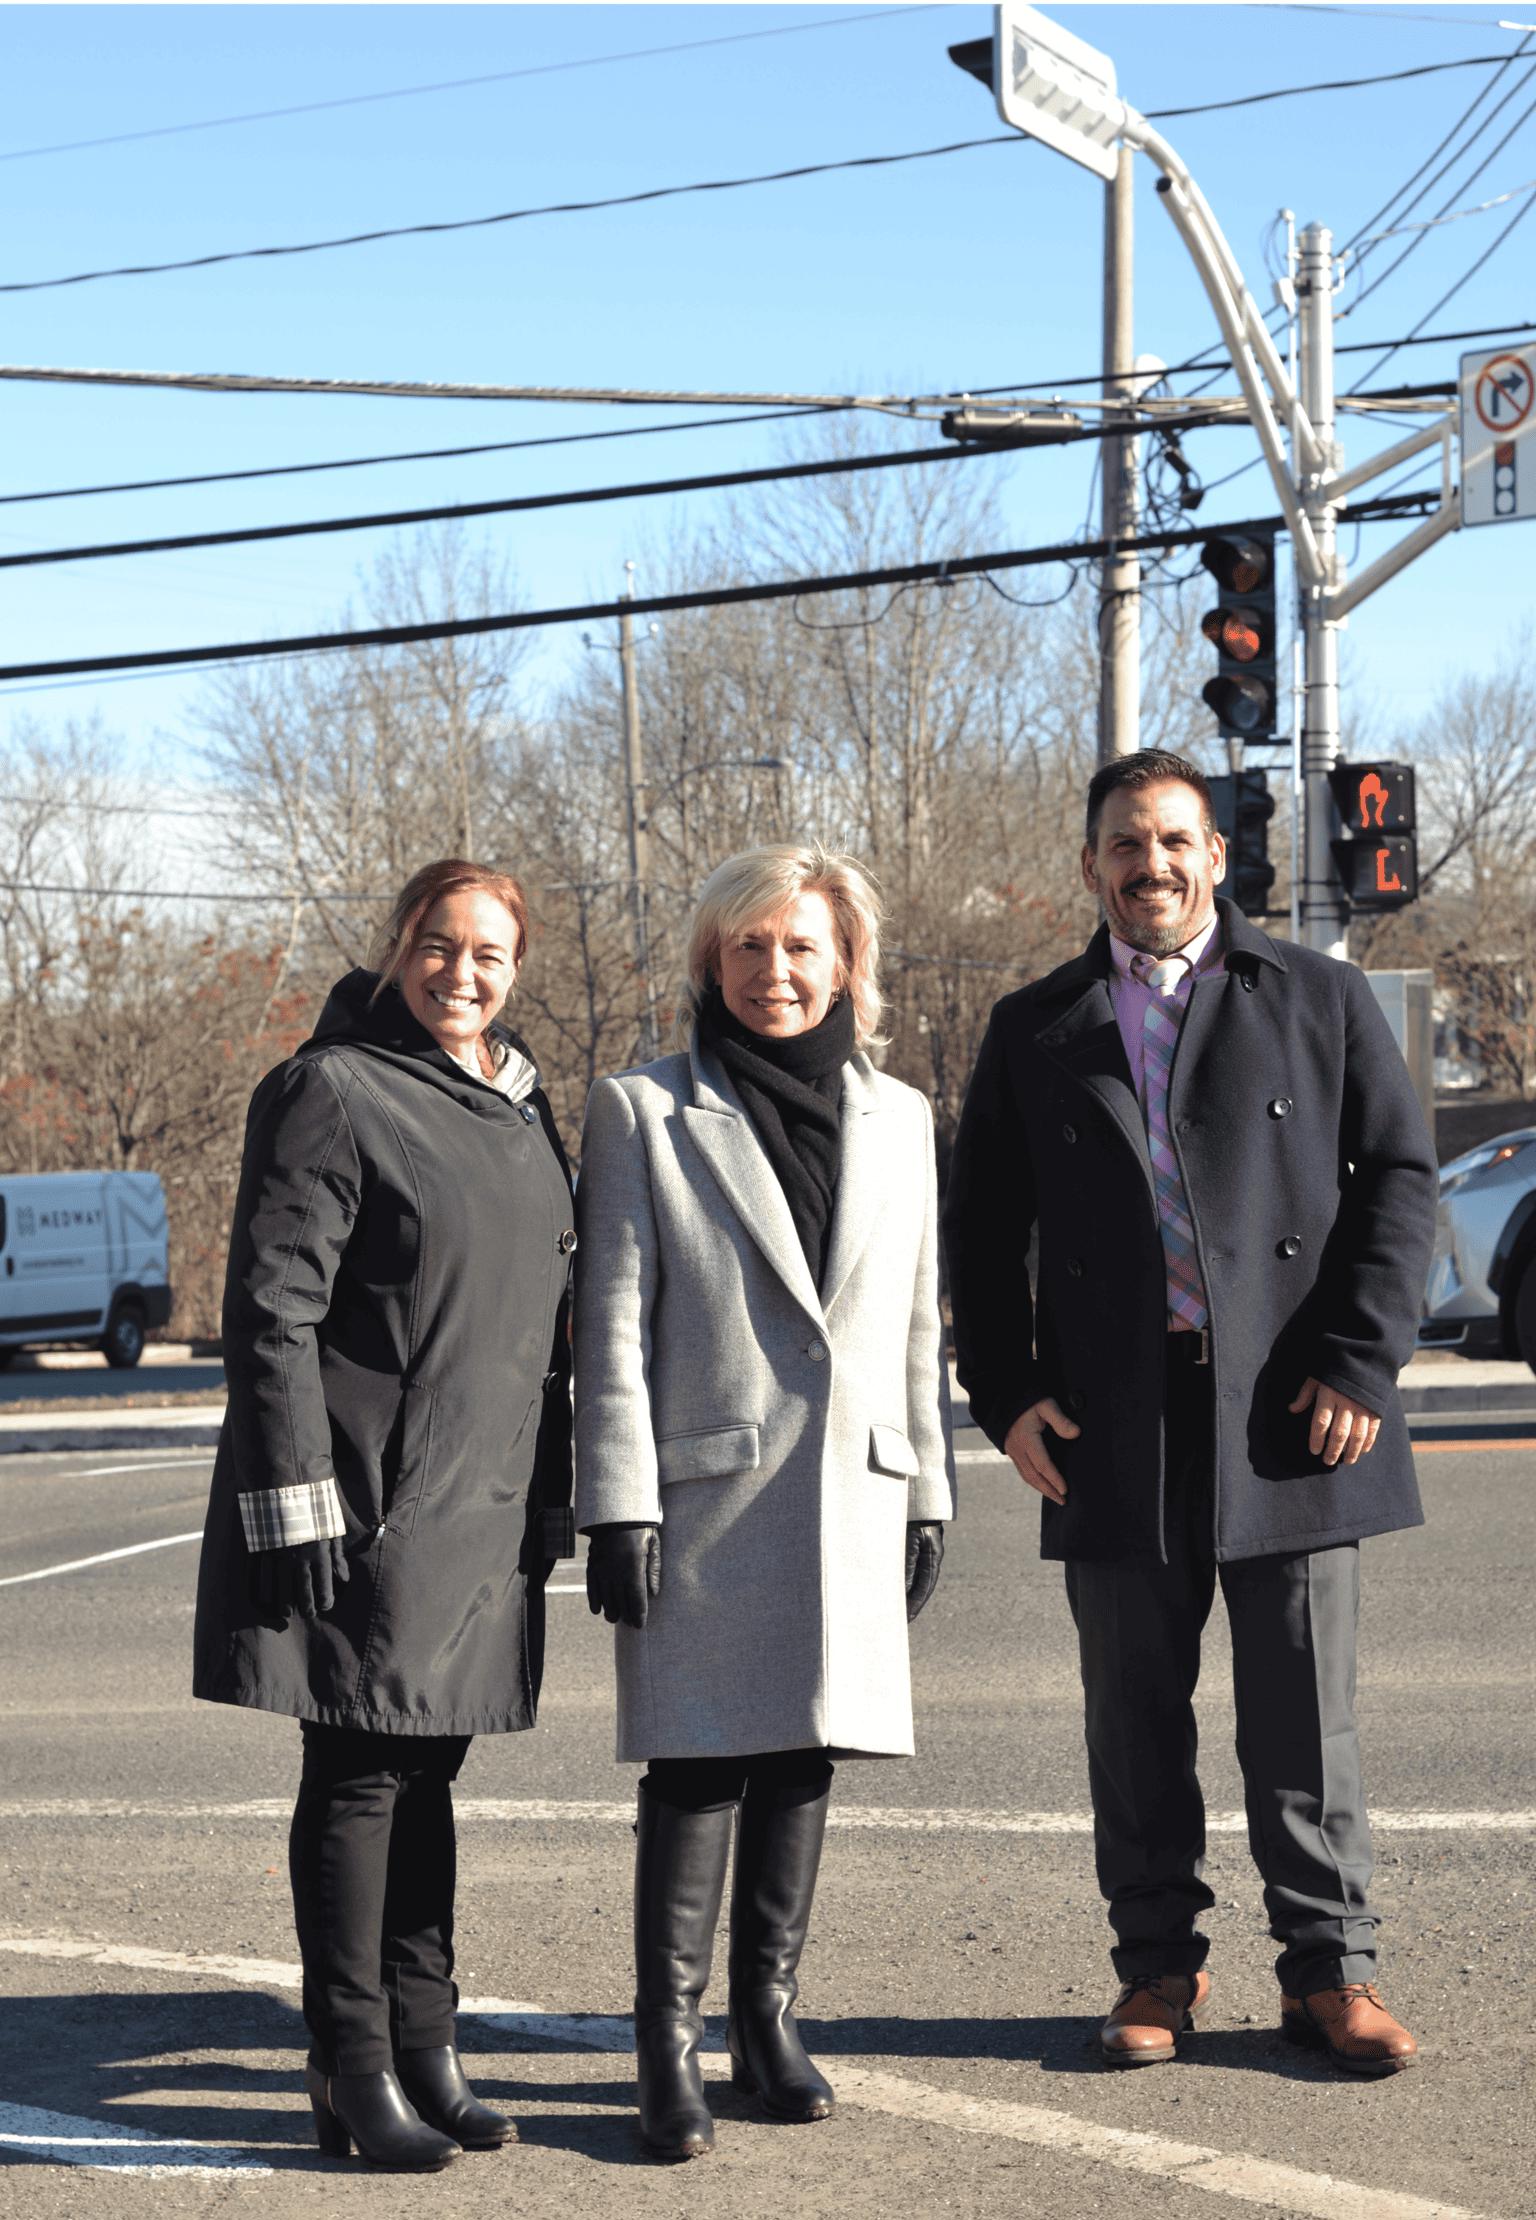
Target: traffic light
{"x":1242,"y":806}
{"x":1378,"y":857}
{"x":1241,"y":628}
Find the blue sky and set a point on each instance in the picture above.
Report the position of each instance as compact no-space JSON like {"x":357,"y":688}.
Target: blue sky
{"x":974,"y":270}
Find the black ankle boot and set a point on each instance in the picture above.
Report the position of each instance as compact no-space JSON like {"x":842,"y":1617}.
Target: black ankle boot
{"x":373,"y":2111}
{"x":680,"y":1861}
{"x":434,"y":2081}
{"x":778,"y":1851}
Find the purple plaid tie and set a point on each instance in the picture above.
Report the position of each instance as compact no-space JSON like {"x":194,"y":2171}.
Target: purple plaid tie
{"x":1160,"y":1035}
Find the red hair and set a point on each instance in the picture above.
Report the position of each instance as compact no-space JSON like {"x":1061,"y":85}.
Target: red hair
{"x":419,"y":897}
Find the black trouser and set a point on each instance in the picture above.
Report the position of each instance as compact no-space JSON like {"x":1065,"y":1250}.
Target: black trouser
{"x":372,"y":1858}
{"x":1293,"y":1622}
{"x":699,"y":1784}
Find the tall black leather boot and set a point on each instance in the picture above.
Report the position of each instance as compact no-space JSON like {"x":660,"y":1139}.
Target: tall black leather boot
{"x":778,"y":1851}
{"x":680,"y":1861}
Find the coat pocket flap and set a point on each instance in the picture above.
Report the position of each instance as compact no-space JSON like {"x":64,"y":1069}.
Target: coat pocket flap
{"x":710,"y":1455}
{"x":890,"y":1451}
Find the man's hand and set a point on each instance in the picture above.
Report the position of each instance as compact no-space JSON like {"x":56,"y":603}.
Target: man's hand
{"x":1025,"y":1444}
{"x":302,"y":1577}
{"x":1342,"y":1429}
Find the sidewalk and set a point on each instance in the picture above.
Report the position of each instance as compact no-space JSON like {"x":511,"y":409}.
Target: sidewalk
{"x":1427,"y":1385}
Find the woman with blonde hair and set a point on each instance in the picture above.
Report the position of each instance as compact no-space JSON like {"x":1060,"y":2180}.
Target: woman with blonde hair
{"x":393,"y":1477}
{"x":762,"y":1457}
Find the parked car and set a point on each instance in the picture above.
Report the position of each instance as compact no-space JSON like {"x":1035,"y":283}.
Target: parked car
{"x":82,"y":1260}
{"x":1481,"y":1296}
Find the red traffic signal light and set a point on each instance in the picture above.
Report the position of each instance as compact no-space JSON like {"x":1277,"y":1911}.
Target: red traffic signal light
{"x":1378,"y":859}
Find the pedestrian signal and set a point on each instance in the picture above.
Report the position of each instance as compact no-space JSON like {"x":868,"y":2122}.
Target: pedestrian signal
{"x":1242,"y":806}
{"x":1377,"y":855}
{"x":1241,"y":628}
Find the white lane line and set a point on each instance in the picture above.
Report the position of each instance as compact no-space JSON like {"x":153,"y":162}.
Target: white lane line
{"x":71,"y":2141}
{"x":1234,"y":2174}
{"x":107,"y":1557}
{"x":866,"y":1818}
{"x":111,"y":1472}
{"x":562,"y":1590}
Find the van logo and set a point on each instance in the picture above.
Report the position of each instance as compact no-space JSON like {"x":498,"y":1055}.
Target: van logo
{"x":58,"y":1221}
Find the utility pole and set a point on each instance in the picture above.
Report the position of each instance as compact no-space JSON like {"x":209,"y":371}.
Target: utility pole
{"x":1119,"y":574}
{"x":1324,"y":920}
{"x":637,"y":815}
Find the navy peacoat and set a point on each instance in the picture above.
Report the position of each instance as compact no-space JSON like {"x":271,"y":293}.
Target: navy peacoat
{"x":394,"y":1319}
{"x":1311,"y":1181}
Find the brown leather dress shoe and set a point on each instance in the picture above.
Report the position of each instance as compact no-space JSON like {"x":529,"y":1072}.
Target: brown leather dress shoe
{"x":1352,"y":2025}
{"x":1150,"y":2015}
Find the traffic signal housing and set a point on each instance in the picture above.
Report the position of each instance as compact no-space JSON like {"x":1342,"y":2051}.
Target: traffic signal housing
{"x":1241,"y":628}
{"x":1377,"y":856}
{"x":1242,"y":806}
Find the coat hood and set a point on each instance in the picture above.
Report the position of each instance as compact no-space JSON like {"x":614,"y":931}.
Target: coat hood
{"x":385,"y":1028}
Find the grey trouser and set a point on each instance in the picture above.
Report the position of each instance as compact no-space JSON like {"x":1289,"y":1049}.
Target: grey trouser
{"x":1293,"y":1622}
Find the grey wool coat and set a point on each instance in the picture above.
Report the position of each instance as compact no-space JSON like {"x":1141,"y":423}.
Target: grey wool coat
{"x":394,"y":1329}
{"x":782,"y":1438}
{"x":1311,"y":1181}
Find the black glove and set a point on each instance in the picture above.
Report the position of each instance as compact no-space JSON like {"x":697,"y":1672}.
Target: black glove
{"x":925,"y":1554}
{"x":302,"y":1577}
{"x":623,"y":1571}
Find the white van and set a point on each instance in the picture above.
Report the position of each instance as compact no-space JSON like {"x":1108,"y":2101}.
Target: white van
{"x":82,"y":1259}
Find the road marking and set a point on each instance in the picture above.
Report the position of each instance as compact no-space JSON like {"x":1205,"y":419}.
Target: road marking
{"x":1422,"y":1448}
{"x":70,"y":2141}
{"x":107,"y":1557}
{"x":175,"y":1464}
{"x":864,"y":1818}
{"x":578,"y":1590}
{"x":1234,"y":2174}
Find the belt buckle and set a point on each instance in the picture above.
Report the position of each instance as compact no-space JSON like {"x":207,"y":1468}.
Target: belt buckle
{"x":1203,"y":1354}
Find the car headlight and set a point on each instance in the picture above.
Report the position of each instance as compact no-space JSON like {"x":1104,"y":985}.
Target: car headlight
{"x":1478,"y":1161}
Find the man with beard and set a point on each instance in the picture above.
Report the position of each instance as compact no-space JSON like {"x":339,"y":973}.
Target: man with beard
{"x":1219,"y":1147}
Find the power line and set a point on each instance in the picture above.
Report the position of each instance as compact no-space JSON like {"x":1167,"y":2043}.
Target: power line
{"x":454,"y":84}
{"x":704,"y":482}
{"x":959,"y":566}
{"x":1457,"y":215}
{"x":1465,"y":279}
{"x":705,"y":185}
{"x":1414,"y":244}
{"x":1436,"y":151}
{"x":418,"y":454}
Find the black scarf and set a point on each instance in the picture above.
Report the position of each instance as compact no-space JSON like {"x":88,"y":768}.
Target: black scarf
{"x":791,"y":1090}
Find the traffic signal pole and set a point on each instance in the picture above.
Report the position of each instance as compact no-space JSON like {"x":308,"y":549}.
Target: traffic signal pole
{"x":1322,"y":916}
{"x":1120,"y":574}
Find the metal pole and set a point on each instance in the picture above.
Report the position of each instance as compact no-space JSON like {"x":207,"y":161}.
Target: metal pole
{"x":637,"y":815}
{"x":1119,"y":575}
{"x":1324,"y":920}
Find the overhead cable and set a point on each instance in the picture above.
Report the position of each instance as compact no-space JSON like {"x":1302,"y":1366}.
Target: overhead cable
{"x":1438,"y":149}
{"x":1450,"y":293}
{"x":704,"y":185}
{"x":1434,"y":223}
{"x":406,"y":635}
{"x":1375,"y":283}
{"x":458,"y":84}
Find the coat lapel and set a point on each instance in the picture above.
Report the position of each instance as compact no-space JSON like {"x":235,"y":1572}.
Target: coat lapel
{"x":1084,"y":1039}
{"x":861,"y":1189}
{"x":723,"y":1133}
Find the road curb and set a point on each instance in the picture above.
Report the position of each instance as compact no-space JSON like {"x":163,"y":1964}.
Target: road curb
{"x":113,"y":1430}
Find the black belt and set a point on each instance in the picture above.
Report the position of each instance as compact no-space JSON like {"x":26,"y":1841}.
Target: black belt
{"x":1189,"y":1347}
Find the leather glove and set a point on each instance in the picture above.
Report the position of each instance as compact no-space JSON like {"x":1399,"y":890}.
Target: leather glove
{"x":925,"y":1554}
{"x":623,"y":1571}
{"x":303,"y":1577}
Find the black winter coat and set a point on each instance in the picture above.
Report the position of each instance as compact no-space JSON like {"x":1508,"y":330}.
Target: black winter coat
{"x":1312,"y":1184}
{"x":395,"y":1313}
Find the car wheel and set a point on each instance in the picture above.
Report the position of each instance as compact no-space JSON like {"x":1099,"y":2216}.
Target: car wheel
{"x":1525,"y":1315}
{"x":123,"y":1342}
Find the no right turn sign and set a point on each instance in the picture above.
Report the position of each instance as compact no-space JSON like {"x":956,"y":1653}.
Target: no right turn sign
{"x":1498,"y":450}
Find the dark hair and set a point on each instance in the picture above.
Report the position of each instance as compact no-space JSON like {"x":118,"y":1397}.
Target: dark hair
{"x":420,"y":895}
{"x":1147,"y":767}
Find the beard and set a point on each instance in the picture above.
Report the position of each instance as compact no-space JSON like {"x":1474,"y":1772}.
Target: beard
{"x":1151,"y":938}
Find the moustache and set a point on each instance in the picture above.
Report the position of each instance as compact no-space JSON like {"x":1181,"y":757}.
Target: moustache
{"x":1155,"y":886}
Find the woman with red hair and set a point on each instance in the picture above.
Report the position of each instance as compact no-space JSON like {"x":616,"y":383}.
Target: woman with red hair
{"x":393,"y":1479}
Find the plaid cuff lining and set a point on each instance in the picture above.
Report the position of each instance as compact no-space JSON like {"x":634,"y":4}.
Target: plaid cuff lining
{"x":560,"y":1532}
{"x":276,"y":1518}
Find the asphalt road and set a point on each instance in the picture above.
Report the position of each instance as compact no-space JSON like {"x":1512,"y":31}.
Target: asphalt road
{"x":99,"y":1381}
{"x":957,"y":1968}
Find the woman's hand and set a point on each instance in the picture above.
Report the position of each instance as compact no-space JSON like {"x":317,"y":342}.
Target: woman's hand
{"x":623,"y":1571}
{"x":302,"y":1577}
{"x":925,"y":1554}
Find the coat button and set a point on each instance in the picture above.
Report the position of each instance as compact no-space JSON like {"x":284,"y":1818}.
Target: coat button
{"x":1290,"y":1246}
{"x":567,"y":1241}
{"x":1280,"y":1107}
{"x":1069,"y":1133}
{"x":817,"y":1351}
{"x":1074,"y":1268}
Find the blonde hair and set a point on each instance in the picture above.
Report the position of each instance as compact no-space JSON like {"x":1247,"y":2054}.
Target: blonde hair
{"x":762,"y":883}
{"x":419,"y":897}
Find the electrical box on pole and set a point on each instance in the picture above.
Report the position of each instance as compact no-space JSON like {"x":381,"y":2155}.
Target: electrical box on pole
{"x":1378,"y":857}
{"x":1242,"y":806}
{"x":1241,"y":628}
